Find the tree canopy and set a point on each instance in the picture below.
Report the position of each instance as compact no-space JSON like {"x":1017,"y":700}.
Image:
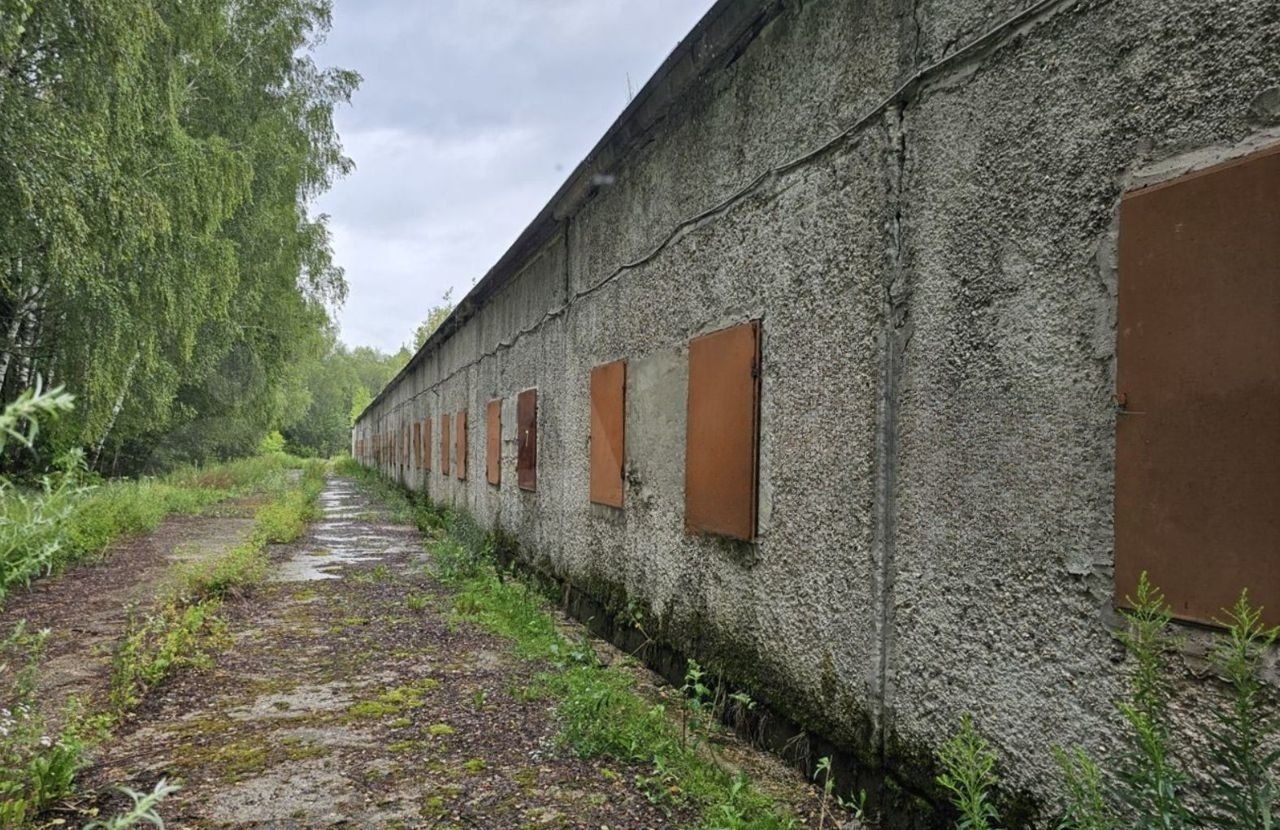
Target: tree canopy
{"x":157,"y":255}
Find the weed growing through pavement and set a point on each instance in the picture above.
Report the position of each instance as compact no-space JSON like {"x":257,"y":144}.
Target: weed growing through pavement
{"x":600,"y":711}
{"x":184,"y":630}
{"x":37,"y":766}
{"x":142,"y":812}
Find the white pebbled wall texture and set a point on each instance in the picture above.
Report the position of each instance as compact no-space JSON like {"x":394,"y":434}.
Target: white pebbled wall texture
{"x":918,"y":200}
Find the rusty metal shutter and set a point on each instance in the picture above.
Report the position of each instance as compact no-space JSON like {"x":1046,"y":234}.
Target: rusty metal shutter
{"x":426,"y":444}
{"x":444,"y":446}
{"x":417,"y":443}
{"x":460,"y":454}
{"x":493,"y":442}
{"x":721,"y":435}
{"x":608,"y":441}
{"x":1197,"y":496}
{"x":527,"y":439}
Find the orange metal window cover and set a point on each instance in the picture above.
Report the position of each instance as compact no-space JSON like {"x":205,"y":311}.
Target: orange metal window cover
{"x":608,"y":432}
{"x":1197,"y":495}
{"x":527,"y":439}
{"x":722,"y":431}
{"x":426,"y":444}
{"x":460,"y":454}
{"x":444,"y":446}
{"x":493,"y":442}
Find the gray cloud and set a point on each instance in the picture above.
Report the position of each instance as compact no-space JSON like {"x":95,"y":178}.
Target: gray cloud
{"x":471,"y":114}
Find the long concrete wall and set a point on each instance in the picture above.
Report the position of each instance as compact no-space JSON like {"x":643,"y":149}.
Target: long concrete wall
{"x":918,"y":200}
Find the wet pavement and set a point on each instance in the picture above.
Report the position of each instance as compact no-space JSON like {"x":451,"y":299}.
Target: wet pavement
{"x":353,"y":696}
{"x":347,"y":534}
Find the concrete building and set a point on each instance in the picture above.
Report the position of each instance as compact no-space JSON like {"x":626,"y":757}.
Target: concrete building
{"x":896,"y":484}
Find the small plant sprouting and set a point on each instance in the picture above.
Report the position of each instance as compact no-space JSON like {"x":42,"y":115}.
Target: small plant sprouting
{"x":142,"y":811}
{"x":855,"y":806}
{"x":969,"y":775}
{"x":828,"y":784}
{"x":417,"y":602}
{"x":697,"y":694}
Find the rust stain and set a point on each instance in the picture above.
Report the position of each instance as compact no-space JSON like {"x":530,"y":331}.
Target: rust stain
{"x":1197,"y":495}
{"x":493,"y":442}
{"x":608,"y":436}
{"x":460,"y":453}
{"x":444,"y":445}
{"x":527,"y":439}
{"x":426,"y":443}
{"x":722,"y":432}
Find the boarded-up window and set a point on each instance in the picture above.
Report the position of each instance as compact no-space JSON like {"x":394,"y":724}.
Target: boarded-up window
{"x":527,"y":439}
{"x":460,"y":454}
{"x":444,"y":446}
{"x":608,"y":442}
{"x":426,"y":444}
{"x":1197,"y":497}
{"x":493,"y":442}
{"x":417,"y":443}
{"x":721,"y":435}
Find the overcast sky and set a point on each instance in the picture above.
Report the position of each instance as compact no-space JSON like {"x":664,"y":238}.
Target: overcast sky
{"x":471,"y":115}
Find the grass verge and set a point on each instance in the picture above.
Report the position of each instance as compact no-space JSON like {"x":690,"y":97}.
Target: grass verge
{"x":65,"y":519}
{"x":600,"y":711}
{"x":184,"y":629}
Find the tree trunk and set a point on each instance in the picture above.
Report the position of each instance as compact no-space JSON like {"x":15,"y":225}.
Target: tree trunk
{"x":115,"y":409}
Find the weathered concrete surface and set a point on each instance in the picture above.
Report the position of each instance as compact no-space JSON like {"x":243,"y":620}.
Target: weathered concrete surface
{"x":918,"y":200}
{"x":364,"y":700}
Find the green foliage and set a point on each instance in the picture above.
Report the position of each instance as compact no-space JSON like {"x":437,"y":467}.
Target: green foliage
{"x":337,"y":384}
{"x":1244,"y":743}
{"x":173,"y":637}
{"x":143,"y":810}
{"x":436,"y":315}
{"x":156,"y":250}
{"x":1147,"y":785}
{"x":1086,"y":805}
{"x":969,"y":776}
{"x":61,"y":522}
{"x":185,"y":629}
{"x":1151,"y":780}
{"x":272,"y":442}
{"x":20,"y":419}
{"x":36,"y":768}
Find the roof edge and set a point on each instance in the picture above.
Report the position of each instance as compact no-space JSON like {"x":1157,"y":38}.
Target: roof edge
{"x":716,"y":40}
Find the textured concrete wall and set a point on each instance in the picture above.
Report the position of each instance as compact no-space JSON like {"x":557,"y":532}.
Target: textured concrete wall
{"x":918,"y":200}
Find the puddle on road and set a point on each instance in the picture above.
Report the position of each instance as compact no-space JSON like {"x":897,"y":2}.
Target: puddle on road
{"x":339,"y":539}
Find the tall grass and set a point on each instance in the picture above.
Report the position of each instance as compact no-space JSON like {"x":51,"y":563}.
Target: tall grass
{"x":65,"y":519}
